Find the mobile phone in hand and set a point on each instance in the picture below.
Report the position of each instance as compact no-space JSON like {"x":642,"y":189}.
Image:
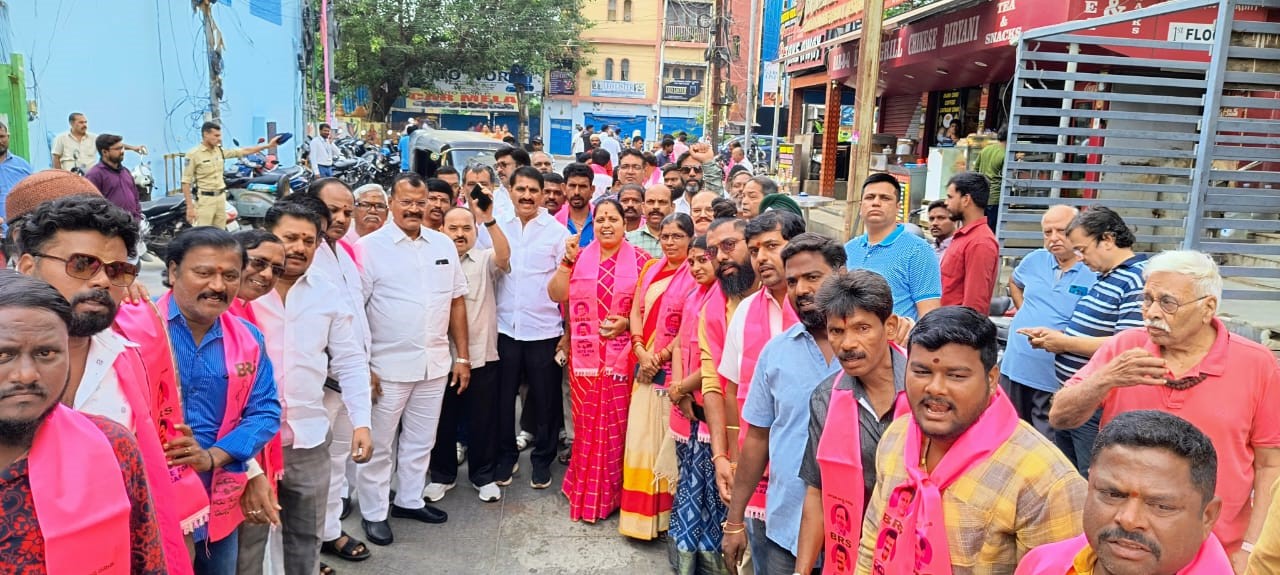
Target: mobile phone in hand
{"x":480,"y":198}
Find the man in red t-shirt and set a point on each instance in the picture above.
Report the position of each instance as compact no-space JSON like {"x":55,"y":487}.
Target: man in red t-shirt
{"x":1179,"y":364}
{"x":971,"y":264}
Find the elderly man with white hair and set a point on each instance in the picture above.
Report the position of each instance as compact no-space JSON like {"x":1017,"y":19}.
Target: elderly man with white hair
{"x":370,"y":213}
{"x":1185,"y":362}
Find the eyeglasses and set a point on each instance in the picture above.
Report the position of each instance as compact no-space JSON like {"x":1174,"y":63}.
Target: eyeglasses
{"x":725,"y":246}
{"x":1167,"y":303}
{"x":631,"y":166}
{"x":85,"y":267}
{"x":691,"y":169}
{"x":259,"y":264}
{"x":1081,"y":251}
{"x":406,"y":204}
{"x":371,"y":206}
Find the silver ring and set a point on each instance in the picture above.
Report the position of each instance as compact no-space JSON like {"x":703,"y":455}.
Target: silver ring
{"x":255,"y":512}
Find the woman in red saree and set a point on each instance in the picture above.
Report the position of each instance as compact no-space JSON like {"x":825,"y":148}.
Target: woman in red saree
{"x":648,"y":482}
{"x":597,"y":284}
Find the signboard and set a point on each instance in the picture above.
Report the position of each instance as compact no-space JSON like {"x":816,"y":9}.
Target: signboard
{"x":618,"y":89}
{"x":770,"y":79}
{"x":822,"y":14}
{"x":492,"y":92}
{"x":840,"y":61}
{"x":562,"y":83}
{"x":786,"y":162}
{"x":681,"y":90}
{"x":950,"y":112}
{"x":986,"y":25}
{"x":1195,"y":26}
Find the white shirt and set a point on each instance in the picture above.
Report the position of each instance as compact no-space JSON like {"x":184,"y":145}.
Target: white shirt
{"x":682,"y":205}
{"x":310,"y":335}
{"x":336,"y":262}
{"x":99,"y":392}
{"x":734,"y":336}
{"x":602,"y":184}
{"x":482,"y":305}
{"x":409,"y":286}
{"x":611,"y":144}
{"x":578,"y":144}
{"x":72,"y":154}
{"x":322,"y":152}
{"x":525,"y":311}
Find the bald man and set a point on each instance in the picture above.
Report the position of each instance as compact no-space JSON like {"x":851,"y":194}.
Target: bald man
{"x":1045,"y":288}
{"x":659,"y":202}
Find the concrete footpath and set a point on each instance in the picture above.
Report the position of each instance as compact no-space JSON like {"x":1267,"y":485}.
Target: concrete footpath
{"x":528,"y":531}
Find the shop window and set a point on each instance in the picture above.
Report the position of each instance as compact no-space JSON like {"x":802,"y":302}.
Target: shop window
{"x":626,"y":10}
{"x":608,"y":68}
{"x":613,"y":10}
{"x":625,"y":70}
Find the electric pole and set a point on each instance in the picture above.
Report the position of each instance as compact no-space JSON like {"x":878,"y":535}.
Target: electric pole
{"x":213,"y":47}
{"x":717,"y":44}
{"x":864,"y":108}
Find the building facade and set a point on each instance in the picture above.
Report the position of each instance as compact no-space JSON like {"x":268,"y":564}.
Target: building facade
{"x":139,"y":69}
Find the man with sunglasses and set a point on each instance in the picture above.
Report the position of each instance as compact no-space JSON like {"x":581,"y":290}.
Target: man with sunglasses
{"x":81,"y":245}
{"x":310,"y":333}
{"x":699,"y":165}
{"x":1104,"y":243}
{"x":1185,"y":362}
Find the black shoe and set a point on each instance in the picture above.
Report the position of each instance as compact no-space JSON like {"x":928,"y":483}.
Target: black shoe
{"x":541,"y":479}
{"x":346,"y":508}
{"x":378,"y":532}
{"x":427,"y":514}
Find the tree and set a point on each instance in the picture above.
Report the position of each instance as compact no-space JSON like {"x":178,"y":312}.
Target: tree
{"x":390,"y":45}
{"x":531,"y":36}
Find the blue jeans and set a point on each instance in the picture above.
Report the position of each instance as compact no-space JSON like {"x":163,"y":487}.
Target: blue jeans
{"x":325,"y":171}
{"x":1077,"y":444}
{"x":217,"y":557}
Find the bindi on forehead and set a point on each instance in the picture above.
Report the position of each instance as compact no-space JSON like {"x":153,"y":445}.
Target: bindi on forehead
{"x":936,"y":361}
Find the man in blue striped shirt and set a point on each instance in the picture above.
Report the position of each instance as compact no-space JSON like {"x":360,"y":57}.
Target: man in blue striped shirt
{"x":1105,"y":244}
{"x":905,"y":260}
{"x":204,"y":266}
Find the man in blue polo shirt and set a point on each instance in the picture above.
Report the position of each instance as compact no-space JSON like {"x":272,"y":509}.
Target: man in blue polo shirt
{"x":1105,"y":244}
{"x":905,"y":260}
{"x":1045,"y":288}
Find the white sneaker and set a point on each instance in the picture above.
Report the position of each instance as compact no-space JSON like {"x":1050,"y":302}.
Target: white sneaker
{"x":489,"y":492}
{"x":462,"y":453}
{"x":435,"y":491}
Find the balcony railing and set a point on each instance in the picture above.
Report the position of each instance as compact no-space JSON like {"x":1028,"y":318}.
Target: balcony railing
{"x":681,"y":33}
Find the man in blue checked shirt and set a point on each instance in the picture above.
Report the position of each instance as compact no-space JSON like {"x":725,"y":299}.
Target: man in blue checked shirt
{"x":204,"y":265}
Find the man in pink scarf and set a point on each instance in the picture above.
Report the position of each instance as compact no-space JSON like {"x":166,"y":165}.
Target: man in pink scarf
{"x":1151,"y":506}
{"x":56,"y":521}
{"x":963,"y":485}
{"x":80,"y":244}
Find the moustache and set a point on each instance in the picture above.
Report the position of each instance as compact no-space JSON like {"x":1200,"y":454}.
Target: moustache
{"x":853,"y":355}
{"x":655,"y":212}
{"x":99,"y":296}
{"x":219,"y":296}
{"x":1157,"y":324}
{"x":1118,"y":534}
{"x":25,"y":389}
{"x":804,"y":300}
{"x":937,"y":401}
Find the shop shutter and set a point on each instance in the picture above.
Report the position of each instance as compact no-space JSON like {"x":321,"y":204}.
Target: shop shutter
{"x":899,"y":111}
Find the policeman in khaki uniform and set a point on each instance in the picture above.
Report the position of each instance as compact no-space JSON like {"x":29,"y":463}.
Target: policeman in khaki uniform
{"x":202,"y":184}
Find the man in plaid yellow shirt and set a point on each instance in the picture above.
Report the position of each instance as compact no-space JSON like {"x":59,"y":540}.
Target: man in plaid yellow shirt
{"x":963,"y":486}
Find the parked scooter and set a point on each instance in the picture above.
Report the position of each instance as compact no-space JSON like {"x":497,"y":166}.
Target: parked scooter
{"x":252,"y":189}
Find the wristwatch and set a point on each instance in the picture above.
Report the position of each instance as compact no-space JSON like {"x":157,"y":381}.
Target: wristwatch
{"x":491,"y":223}
{"x":462,"y":360}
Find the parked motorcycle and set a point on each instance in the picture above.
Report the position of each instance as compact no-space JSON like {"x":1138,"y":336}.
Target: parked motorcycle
{"x":163,"y":218}
{"x":252,"y":189}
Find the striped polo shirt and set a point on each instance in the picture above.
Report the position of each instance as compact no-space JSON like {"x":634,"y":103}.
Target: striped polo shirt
{"x":1112,"y":305}
{"x":906,"y":261}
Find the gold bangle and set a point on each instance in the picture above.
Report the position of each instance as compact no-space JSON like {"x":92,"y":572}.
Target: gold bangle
{"x":715,"y":457}
{"x":734,"y":532}
{"x":733,"y":427}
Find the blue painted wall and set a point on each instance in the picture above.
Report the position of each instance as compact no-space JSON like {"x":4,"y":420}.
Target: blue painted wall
{"x":138,"y":68}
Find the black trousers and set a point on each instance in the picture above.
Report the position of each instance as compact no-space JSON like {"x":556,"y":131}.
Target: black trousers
{"x":1031,"y":404}
{"x":475,"y":408}
{"x":532,"y":363}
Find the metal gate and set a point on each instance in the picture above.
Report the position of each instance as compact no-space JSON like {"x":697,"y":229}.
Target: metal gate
{"x":1182,"y":138}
